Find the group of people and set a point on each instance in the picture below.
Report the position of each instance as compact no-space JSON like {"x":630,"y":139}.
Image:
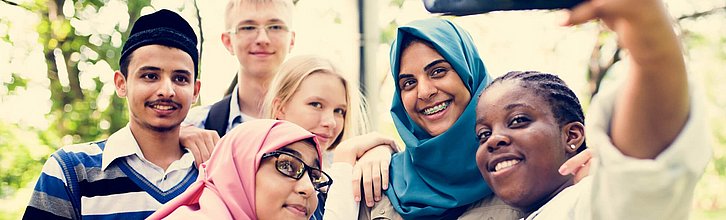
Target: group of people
{"x":295,"y":144}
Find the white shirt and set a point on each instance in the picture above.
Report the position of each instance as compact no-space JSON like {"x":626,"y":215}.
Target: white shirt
{"x":622,"y":187}
{"x":197,"y":116}
{"x":122,"y":145}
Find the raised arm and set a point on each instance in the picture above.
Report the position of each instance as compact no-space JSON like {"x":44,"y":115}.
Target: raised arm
{"x":654,"y":104}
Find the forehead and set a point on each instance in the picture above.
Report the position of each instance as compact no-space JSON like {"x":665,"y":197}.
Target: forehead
{"x":504,"y":95}
{"x":160,"y":56}
{"x":416,"y":56}
{"x":305,"y":150}
{"x":323,"y":85}
{"x":258,"y":12}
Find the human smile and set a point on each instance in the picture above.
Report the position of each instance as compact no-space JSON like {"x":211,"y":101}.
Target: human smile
{"x":163,"y":105}
{"x":503,"y":163}
{"x":436,"y":108}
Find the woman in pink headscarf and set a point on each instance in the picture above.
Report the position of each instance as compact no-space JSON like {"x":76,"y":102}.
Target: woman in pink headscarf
{"x":262,"y":169}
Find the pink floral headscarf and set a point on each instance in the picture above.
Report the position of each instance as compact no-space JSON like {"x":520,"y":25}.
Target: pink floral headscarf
{"x":227,"y":190}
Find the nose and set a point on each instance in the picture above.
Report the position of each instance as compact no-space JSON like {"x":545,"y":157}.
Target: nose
{"x":166,"y":89}
{"x":262,"y":37}
{"x":497,"y":141}
{"x":327,"y":120}
{"x":304,"y":186}
{"x":426,"y":89}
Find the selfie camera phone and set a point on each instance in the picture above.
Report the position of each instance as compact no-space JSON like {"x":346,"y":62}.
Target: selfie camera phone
{"x":470,"y":7}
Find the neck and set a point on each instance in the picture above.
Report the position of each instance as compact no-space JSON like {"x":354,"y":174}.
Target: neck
{"x":159,"y":147}
{"x":569,"y":182}
{"x":252,"y":91}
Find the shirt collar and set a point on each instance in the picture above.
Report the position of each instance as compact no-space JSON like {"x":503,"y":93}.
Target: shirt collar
{"x":120,"y":144}
{"x":234,"y":107}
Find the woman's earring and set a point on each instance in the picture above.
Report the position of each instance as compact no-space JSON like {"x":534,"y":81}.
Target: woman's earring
{"x":573,"y":146}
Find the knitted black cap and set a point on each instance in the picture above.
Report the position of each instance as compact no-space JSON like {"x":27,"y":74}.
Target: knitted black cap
{"x":166,"y":28}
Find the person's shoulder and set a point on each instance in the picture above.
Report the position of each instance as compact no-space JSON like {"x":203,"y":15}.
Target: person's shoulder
{"x":197,"y":115}
{"x":491,"y":207}
{"x":77,"y":154}
{"x":382,"y":210}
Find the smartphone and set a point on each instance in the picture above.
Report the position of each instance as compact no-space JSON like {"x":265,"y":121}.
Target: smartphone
{"x":470,"y":7}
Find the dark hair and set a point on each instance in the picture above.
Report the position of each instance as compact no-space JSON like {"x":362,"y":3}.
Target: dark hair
{"x":563,"y":102}
{"x":124,"y":65}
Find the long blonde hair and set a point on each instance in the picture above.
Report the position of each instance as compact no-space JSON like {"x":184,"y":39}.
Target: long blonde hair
{"x":291,"y":74}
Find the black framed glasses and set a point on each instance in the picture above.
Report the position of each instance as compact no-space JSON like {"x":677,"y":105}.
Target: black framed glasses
{"x":292,"y":166}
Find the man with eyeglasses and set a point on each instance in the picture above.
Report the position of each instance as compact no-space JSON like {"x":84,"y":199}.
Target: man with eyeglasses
{"x":258,"y":34}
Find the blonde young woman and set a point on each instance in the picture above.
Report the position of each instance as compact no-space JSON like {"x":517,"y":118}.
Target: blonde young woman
{"x":312,"y":93}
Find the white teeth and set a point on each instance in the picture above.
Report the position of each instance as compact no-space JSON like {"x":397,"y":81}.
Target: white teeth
{"x":162,"y":107}
{"x":436,"y":109}
{"x":505,"y":164}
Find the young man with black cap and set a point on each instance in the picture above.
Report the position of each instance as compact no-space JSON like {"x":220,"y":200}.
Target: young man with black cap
{"x":141,"y":166}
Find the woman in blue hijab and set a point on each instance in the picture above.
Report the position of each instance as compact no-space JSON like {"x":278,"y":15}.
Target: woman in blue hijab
{"x":439,"y":77}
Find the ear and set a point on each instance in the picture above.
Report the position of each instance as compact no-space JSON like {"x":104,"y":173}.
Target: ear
{"x":197,"y":85}
{"x":573,"y":134}
{"x":279,"y":112}
{"x":120,"y":82}
{"x":227,"y":42}
{"x":292,"y":42}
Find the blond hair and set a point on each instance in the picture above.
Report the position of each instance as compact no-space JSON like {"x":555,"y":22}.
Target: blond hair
{"x":232,"y":4}
{"x":295,"y":70}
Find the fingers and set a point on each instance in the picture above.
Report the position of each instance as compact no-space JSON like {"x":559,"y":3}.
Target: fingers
{"x":210,"y":140}
{"x":384,"y":173}
{"x":367,"y":184}
{"x":583,"y":171}
{"x":199,"y":142}
{"x":376,"y":179}
{"x":581,"y":13}
{"x":576,"y":162}
{"x":194,"y":149}
{"x":356,"y":182}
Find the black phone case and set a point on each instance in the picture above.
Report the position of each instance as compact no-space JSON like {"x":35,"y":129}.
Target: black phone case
{"x":470,"y":7}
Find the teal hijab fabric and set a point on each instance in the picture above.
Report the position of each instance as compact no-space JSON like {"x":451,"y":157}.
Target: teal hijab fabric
{"x":438,"y":174}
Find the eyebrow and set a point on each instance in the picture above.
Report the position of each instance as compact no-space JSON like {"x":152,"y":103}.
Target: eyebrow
{"x":271,"y":21}
{"x":432,"y":64}
{"x":297,"y":154}
{"x":153,"y":68}
{"x":518,"y":105}
{"x":184,"y":72}
{"x":150,"y":68}
{"x":426,"y":68}
{"x":480,"y":120}
{"x":321,"y":99}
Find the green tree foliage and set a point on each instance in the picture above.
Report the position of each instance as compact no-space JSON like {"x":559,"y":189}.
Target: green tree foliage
{"x":84,"y":105}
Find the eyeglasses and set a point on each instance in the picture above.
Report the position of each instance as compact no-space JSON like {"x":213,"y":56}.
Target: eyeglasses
{"x":273,"y":30}
{"x":292,"y":166}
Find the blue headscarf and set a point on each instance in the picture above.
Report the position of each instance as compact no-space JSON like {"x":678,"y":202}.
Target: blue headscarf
{"x":436,"y":174}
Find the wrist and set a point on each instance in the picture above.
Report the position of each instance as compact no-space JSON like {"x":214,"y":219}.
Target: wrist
{"x":345,"y":156}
